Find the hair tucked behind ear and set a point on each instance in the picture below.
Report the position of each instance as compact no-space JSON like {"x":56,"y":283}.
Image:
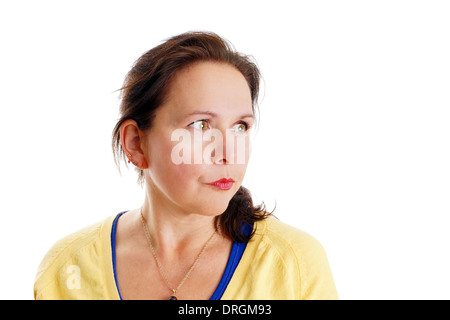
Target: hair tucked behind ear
{"x":145,"y":88}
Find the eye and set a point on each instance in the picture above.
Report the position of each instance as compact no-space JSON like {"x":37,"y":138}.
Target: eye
{"x":241,"y":127}
{"x":200,"y":124}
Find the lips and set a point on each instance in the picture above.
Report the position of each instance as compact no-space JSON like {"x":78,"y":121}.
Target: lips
{"x":222,"y":184}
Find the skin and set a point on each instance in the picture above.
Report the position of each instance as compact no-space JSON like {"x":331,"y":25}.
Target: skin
{"x":179,"y":205}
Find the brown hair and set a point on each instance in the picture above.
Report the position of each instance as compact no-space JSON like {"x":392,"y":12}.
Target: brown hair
{"x":144,"y":90}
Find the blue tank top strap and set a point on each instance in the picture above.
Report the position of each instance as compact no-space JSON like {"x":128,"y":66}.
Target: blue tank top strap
{"x":113,"y":249}
{"x":237,"y":250}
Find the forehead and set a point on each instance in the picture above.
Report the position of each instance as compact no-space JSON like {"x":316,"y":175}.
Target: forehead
{"x":208,"y":86}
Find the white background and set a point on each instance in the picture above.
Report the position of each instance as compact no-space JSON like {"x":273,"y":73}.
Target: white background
{"x":353,"y":143}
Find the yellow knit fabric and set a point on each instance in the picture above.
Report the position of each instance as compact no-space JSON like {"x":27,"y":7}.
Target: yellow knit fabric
{"x":279,"y":262}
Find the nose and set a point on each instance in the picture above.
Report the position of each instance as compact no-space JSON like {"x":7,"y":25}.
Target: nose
{"x":227,"y":148}
{"x":220,"y":160}
{"x":219,"y":153}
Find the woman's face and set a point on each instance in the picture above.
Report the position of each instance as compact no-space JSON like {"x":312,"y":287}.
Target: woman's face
{"x":199,"y":136}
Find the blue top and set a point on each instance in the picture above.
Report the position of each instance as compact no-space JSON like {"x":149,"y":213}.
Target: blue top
{"x":237,"y":250}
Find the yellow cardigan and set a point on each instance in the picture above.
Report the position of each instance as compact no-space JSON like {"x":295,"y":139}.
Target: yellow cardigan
{"x":279,"y":262}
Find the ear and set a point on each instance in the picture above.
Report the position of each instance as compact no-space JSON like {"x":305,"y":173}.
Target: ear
{"x":131,"y":138}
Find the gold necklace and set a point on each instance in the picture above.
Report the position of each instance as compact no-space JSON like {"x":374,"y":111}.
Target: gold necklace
{"x":161,"y":269}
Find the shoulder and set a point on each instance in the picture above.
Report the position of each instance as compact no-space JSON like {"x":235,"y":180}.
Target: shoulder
{"x":287,"y":239}
{"x":68,"y":245}
{"x":301,"y":255}
{"x":68,"y":254}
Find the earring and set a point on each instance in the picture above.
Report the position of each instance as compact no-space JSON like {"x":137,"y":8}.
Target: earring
{"x":129,"y":159}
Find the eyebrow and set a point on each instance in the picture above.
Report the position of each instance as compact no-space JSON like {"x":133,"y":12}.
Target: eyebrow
{"x":215,"y":115}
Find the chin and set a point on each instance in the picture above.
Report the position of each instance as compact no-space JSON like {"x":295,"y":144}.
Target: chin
{"x":210,"y":202}
{"x":212,"y":208}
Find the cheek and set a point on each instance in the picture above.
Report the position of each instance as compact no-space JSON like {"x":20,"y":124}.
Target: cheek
{"x":174,"y":177}
{"x":166,"y":166}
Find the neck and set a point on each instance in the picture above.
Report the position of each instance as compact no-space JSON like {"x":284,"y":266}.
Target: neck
{"x":173,"y":230}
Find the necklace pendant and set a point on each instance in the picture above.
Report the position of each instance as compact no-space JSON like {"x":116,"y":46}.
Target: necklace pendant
{"x":173,"y":298}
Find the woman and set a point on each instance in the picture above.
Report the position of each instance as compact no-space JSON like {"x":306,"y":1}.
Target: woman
{"x":197,"y":234}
